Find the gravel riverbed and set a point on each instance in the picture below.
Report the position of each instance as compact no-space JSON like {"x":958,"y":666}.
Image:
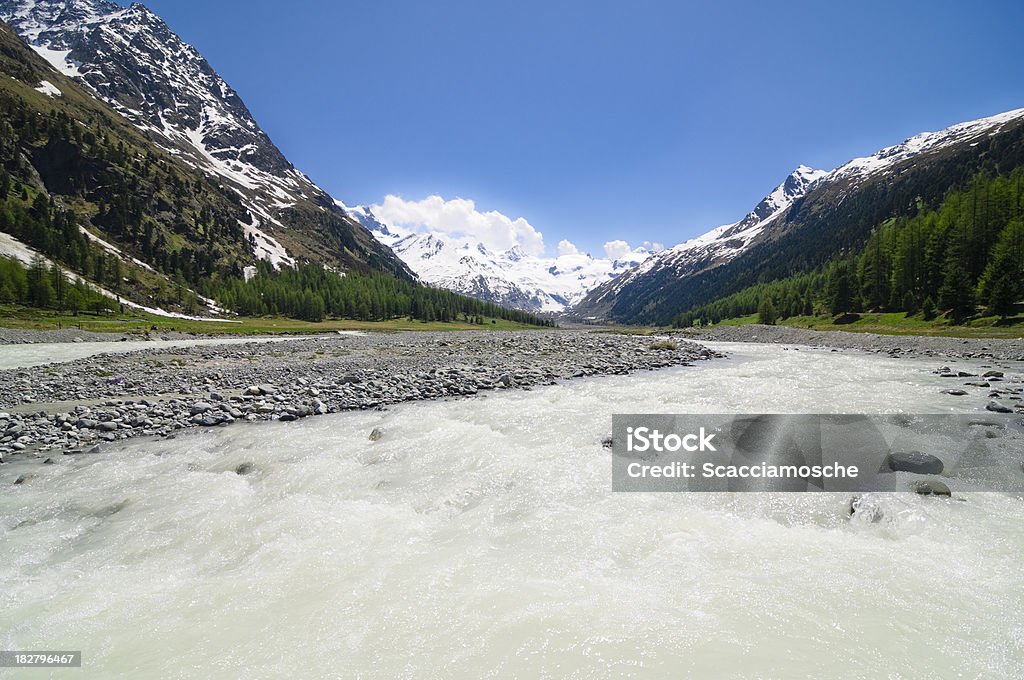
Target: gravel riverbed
{"x":893,"y":345}
{"x":77,"y":407}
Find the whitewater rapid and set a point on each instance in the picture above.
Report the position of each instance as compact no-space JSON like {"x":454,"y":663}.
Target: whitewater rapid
{"x":479,"y":538}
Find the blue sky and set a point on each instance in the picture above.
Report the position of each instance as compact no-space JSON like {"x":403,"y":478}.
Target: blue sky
{"x":600,"y":120}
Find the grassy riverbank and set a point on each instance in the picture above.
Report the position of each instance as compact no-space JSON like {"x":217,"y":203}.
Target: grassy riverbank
{"x":897,"y":323}
{"x":132,"y":321}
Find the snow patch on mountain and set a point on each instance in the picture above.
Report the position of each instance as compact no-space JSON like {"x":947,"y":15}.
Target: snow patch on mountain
{"x":49,"y":89}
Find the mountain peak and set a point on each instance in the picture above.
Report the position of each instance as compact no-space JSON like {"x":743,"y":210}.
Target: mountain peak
{"x":129,"y":58}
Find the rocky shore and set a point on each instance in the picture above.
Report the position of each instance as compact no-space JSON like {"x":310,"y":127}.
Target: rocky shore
{"x":893,"y":345}
{"x":76,"y":407}
{"x":17,"y":336}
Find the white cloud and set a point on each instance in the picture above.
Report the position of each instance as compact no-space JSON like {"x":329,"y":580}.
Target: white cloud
{"x":460,"y":218}
{"x":616,"y":250}
{"x":621,"y":250}
{"x":567,"y":247}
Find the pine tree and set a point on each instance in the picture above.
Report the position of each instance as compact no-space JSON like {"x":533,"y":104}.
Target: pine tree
{"x":874,"y":275}
{"x":1002,"y":284}
{"x":766,"y":312}
{"x":1006,"y":290}
{"x":956,"y":293}
{"x":909,"y":304}
{"x":840,"y":291}
{"x":40,"y":288}
{"x":928,"y":311}
{"x":74,"y":300}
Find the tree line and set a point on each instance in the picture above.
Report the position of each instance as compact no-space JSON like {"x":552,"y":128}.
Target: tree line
{"x":311,"y":292}
{"x":964,"y":257}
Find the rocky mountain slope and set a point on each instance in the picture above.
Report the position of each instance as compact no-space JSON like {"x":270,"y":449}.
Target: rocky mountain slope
{"x":509,"y":278}
{"x":129,"y":58}
{"x":809,"y":218}
{"x":84,"y":188}
{"x":711,"y":249}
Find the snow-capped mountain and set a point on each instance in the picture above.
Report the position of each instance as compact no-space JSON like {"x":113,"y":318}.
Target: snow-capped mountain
{"x":721,"y":244}
{"x":784,"y":209}
{"x":887,"y":159}
{"x":134,"y":62}
{"x":511,"y":278}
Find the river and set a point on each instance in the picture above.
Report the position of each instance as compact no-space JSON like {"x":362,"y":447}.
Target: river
{"x":479,"y":538}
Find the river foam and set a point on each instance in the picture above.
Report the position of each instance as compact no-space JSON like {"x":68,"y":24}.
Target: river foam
{"x":479,"y":538}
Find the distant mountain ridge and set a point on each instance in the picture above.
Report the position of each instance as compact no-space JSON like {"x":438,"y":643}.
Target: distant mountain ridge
{"x":131,"y":60}
{"x":511,"y":278}
{"x":808,"y":218}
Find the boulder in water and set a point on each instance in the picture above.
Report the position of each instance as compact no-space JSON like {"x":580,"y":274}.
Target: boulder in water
{"x":912,"y":461}
{"x":930,"y":487}
{"x":996,"y":407}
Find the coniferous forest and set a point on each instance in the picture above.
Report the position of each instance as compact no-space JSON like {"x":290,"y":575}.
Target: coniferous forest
{"x":312,"y":293}
{"x":962,"y":258}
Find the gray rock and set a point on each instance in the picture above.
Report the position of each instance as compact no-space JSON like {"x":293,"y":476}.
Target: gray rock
{"x":245,"y":468}
{"x":376,"y":434}
{"x":929,"y":487}
{"x":201,"y":407}
{"x":954,"y":392}
{"x":996,"y":407}
{"x":912,"y":461}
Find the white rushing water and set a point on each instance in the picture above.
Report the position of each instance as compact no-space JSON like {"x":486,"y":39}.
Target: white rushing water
{"x":41,"y":353}
{"x":479,"y":538}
